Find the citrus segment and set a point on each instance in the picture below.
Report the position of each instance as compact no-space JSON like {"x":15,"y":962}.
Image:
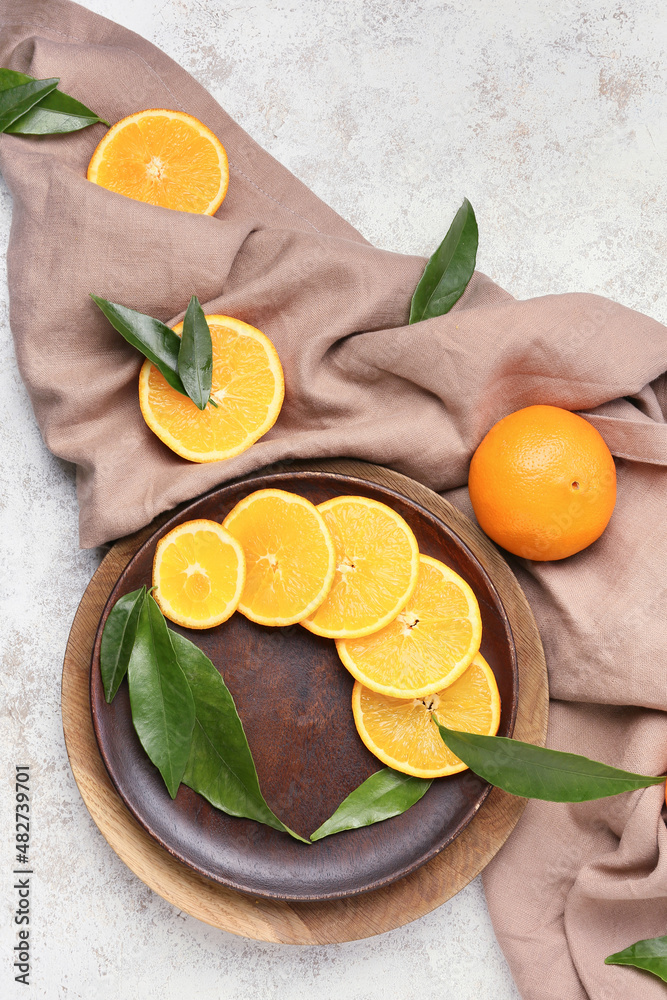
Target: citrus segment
{"x":290,"y":558}
{"x":427,"y":646}
{"x":377,"y":564}
{"x":164,"y":158}
{"x":247,"y":386}
{"x":401,"y":733}
{"x":543,"y":483}
{"x":198,"y":574}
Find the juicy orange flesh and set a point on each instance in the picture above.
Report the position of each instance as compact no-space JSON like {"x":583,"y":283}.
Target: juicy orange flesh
{"x":374,"y":567}
{"x":198,"y":574}
{"x":162,"y":161}
{"x":243,"y":385}
{"x":287,"y":558}
{"x":403,"y":730}
{"x":429,"y":637}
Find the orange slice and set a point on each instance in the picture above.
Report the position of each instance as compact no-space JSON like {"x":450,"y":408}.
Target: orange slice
{"x":427,"y":646}
{"x":164,"y":158}
{"x":198,"y":574}
{"x":377,"y":564}
{"x":402,"y":734}
{"x":290,"y":558}
{"x":247,"y":385}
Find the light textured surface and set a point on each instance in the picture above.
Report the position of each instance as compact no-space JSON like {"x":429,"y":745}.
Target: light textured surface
{"x":551,"y":118}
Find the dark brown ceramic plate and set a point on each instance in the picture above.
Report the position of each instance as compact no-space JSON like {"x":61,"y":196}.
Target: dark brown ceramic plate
{"x":293,"y":695}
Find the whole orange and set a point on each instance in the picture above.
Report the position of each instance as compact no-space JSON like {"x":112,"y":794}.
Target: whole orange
{"x":543,"y":483}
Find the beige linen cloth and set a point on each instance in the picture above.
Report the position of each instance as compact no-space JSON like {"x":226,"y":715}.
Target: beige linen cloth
{"x":573,"y":883}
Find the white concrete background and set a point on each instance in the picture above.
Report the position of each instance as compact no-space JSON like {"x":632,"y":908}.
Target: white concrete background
{"x":551,"y":117}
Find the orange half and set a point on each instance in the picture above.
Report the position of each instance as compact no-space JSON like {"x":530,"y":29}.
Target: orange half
{"x":164,"y":158}
{"x":428,"y":645}
{"x":290,"y":558}
{"x":247,"y":386}
{"x":402,"y":734}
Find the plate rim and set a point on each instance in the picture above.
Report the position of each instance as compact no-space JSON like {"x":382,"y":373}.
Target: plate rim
{"x":261,"y":480}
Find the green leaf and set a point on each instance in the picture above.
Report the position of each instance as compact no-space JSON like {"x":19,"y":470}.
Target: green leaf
{"x":12,"y":78}
{"x":15,"y":101}
{"x":163,"y":710}
{"x":195,"y":356}
{"x":385,"y":794}
{"x":57,"y":113}
{"x":539,"y":773}
{"x":449,"y":269}
{"x":220,"y":766}
{"x":154,"y":339}
{"x":650,"y":954}
{"x":117,"y":640}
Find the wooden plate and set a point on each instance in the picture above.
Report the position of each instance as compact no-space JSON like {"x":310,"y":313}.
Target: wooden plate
{"x":309,"y":923}
{"x":293,"y":696}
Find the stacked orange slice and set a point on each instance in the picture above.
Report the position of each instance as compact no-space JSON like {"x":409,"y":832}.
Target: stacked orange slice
{"x":401,"y":731}
{"x":198,"y":574}
{"x":290,"y":559}
{"x":377,"y":564}
{"x":427,"y":646}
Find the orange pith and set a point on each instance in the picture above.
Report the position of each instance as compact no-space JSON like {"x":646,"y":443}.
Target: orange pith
{"x":247,"y":385}
{"x":198,"y":573}
{"x":164,"y":158}
{"x":543,"y":483}
{"x":427,"y":646}
{"x":290,"y":558}
{"x":401,"y":733}
{"x":377,"y":565}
